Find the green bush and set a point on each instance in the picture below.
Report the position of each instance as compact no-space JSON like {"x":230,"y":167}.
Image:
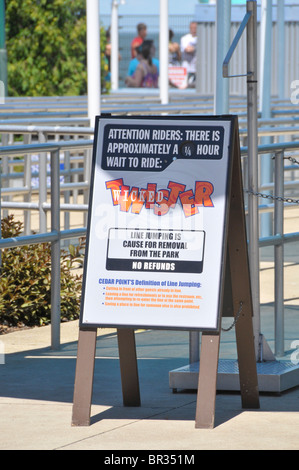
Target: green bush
{"x":25,"y":280}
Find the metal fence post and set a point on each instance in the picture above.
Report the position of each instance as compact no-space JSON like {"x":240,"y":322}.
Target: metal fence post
{"x":253,"y":222}
{"x":55,"y":250}
{"x":279,"y":254}
{"x":67,"y":179}
{"x":5,"y":170}
{"x":223,"y":25}
{"x":42,"y":184}
{"x":27,"y":184}
{"x":266,"y":168}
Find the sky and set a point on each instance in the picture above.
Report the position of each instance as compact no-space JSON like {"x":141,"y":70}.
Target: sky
{"x":151,"y":7}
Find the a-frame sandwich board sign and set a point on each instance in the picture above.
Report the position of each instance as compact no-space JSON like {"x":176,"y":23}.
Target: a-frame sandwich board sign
{"x":166,"y":226}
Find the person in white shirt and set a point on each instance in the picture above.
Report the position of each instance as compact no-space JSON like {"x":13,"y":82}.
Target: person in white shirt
{"x":188,"y":50}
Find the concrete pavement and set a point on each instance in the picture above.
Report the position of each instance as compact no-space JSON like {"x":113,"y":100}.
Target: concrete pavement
{"x":36,"y":393}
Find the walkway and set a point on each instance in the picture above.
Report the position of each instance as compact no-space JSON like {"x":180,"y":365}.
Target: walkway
{"x":36,"y":395}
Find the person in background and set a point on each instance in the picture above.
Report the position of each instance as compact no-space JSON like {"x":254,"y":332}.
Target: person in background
{"x":106,"y":74}
{"x":174,"y":51}
{"x":134,"y":62}
{"x":138,"y":40}
{"x":146,"y":74}
{"x":188,"y":50}
{"x":108,"y":52}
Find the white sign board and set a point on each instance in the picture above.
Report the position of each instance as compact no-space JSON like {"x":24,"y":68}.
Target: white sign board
{"x":157,"y":222}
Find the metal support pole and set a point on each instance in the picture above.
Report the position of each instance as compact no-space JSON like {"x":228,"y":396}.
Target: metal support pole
{"x":27,"y":184}
{"x":265,"y":100}
{"x":93,"y":59}
{"x":5,"y":170}
{"x":114,"y":45}
{"x":253,"y":221}
{"x":281,"y":46}
{"x":279,"y":191}
{"x":193,"y":347}
{"x":67,"y":179}
{"x":55,"y":251}
{"x":265,"y":58}
{"x":163,"y":52}
{"x":223,"y":24}
{"x":278,"y":255}
{"x":42,"y":184}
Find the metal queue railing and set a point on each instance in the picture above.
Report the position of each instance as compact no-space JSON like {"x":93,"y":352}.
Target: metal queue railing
{"x":55,"y":235}
{"x":54,"y":149}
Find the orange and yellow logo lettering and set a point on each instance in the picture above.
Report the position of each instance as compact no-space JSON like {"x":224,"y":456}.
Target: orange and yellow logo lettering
{"x":161,"y":200}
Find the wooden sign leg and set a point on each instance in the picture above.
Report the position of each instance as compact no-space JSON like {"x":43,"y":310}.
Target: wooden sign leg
{"x":247,"y":361}
{"x":84,"y":377}
{"x":241,"y":290}
{"x":128,"y":366}
{"x":207,"y":381}
{"x":244,"y":328}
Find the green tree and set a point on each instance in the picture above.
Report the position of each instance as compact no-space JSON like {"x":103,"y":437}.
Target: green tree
{"x":46,"y":47}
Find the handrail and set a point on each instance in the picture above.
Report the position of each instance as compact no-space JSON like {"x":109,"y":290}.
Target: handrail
{"x":42,"y":237}
{"x":45,"y":147}
{"x":266,"y":148}
{"x":265,"y":129}
{"x":30,"y":129}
